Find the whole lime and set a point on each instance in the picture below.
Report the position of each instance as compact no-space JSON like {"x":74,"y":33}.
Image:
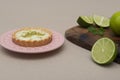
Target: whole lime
{"x":115,"y":23}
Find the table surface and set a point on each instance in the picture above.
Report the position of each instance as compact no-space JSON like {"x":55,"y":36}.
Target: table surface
{"x":70,"y":62}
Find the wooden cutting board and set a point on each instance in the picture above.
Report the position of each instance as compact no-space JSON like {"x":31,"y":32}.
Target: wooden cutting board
{"x":85,"y":39}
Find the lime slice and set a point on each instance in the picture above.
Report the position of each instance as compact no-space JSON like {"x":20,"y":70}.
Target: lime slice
{"x":101,"y":21}
{"x":85,"y":21}
{"x":104,"y":51}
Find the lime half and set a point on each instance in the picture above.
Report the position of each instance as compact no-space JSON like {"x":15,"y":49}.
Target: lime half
{"x":104,"y":51}
{"x":101,"y":21}
{"x":85,"y":21}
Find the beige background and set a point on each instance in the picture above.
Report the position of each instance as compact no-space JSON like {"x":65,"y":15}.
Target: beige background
{"x":67,"y":63}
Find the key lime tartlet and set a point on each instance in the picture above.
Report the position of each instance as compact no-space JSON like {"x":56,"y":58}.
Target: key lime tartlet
{"x":32,"y":37}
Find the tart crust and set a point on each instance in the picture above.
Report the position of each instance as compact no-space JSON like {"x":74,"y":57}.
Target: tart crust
{"x":32,"y":43}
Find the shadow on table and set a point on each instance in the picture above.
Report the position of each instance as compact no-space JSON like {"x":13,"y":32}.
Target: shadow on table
{"x":33,"y":56}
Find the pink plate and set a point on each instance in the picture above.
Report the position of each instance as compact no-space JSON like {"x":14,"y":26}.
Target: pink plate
{"x":6,"y":42}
